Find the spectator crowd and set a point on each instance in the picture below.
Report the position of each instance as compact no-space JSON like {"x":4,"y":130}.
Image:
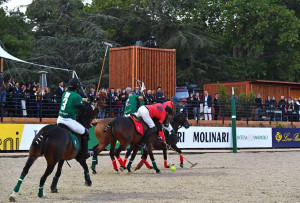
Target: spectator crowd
{"x":29,"y":100}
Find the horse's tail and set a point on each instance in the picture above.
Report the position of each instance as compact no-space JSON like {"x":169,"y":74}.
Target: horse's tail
{"x":107,"y":127}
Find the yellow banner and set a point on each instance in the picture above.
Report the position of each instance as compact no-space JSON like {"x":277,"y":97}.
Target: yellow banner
{"x":10,"y":136}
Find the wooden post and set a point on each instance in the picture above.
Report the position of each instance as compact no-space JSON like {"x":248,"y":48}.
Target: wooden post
{"x":1,"y":64}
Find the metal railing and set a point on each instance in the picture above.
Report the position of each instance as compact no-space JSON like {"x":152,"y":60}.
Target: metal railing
{"x":39,"y":107}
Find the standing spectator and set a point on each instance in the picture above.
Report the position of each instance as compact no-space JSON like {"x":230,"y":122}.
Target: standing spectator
{"x":273,"y":106}
{"x":216,"y":106}
{"x":137,"y":91}
{"x":196,"y":109}
{"x":3,"y":94}
{"x":17,"y":99}
{"x":282,"y":107}
{"x":290,"y":108}
{"x":113,"y":97}
{"x":268,"y":106}
{"x":296,"y":110}
{"x":207,"y":105}
{"x":123,"y":97}
{"x":118,"y":103}
{"x":190,"y":106}
{"x":298,"y":107}
{"x":153,"y":95}
{"x":129,"y":91}
{"x":259,"y":106}
{"x":34,"y":101}
{"x":24,"y":97}
{"x":149,"y":98}
{"x":60,"y":91}
{"x":92,"y":93}
{"x":47,"y":101}
{"x":160,"y":98}
{"x":82,"y":92}
{"x":102,"y":102}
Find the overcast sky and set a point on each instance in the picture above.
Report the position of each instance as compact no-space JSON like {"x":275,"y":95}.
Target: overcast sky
{"x":11,"y":4}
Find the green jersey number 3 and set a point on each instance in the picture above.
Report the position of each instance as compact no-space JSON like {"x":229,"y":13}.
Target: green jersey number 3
{"x":65,"y":101}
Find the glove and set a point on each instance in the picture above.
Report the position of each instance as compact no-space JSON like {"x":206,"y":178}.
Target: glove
{"x":93,"y":106}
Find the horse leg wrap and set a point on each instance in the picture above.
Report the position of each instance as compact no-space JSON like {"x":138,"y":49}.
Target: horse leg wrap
{"x":181,"y":158}
{"x":165,"y":163}
{"x":154,"y":165}
{"x":121,"y":161}
{"x":17,"y":187}
{"x":114,"y":164}
{"x":129,"y":165}
{"x":41,"y":191}
{"x":125,"y":160}
{"x":147,"y":164}
{"x":94,"y":163}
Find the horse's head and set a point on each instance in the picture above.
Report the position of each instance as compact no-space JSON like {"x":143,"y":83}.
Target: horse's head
{"x":87,"y":114}
{"x":181,"y":119}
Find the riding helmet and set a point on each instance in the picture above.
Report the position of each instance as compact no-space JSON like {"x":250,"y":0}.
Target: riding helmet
{"x":175,"y":100}
{"x":74,"y":84}
{"x":169,"y":110}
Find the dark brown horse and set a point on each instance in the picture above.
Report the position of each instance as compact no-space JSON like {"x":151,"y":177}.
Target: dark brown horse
{"x":177,"y":122}
{"x":54,"y":142}
{"x":123,"y":129}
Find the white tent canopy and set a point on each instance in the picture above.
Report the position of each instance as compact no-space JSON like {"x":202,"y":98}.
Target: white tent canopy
{"x":4,"y":54}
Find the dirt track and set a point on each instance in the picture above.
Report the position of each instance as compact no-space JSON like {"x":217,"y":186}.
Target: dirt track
{"x":218,"y":177}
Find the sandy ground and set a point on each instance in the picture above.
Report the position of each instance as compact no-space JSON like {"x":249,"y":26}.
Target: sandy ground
{"x":218,"y":177}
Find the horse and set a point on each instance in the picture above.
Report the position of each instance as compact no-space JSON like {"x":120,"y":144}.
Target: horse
{"x":123,"y":129}
{"x":55,"y":143}
{"x":177,"y":122}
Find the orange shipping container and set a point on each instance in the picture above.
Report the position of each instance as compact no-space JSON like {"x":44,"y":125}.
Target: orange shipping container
{"x":155,"y":67}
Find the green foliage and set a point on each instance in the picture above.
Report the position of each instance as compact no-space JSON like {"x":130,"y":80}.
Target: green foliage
{"x":224,"y":96}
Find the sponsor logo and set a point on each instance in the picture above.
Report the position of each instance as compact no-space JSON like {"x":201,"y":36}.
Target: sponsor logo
{"x":181,"y":136}
{"x":211,"y":137}
{"x":251,"y":137}
{"x":278,"y":136}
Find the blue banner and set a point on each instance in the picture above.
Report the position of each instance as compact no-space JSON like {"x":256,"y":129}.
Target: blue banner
{"x":286,"y":137}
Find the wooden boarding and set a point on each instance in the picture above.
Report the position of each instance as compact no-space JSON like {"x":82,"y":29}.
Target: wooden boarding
{"x":155,"y":67}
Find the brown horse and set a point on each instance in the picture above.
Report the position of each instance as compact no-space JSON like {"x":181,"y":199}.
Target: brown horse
{"x":123,"y":129}
{"x":55,"y":143}
{"x":177,"y":122}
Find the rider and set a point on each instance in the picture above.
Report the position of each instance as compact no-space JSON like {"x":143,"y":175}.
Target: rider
{"x":174,"y":101}
{"x":71,"y":101}
{"x":148,"y":112}
{"x":131,"y":104}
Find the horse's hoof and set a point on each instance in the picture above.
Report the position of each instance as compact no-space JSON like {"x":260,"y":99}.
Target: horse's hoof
{"x":167,"y":166}
{"x":54,"y":190}
{"x":94,"y":172}
{"x":88,"y":183}
{"x":13,"y":196}
{"x":122,"y":168}
{"x":44,"y":196}
{"x":117,"y":172}
{"x":135,"y":169}
{"x":181,"y":165}
{"x":151,"y":167}
{"x":158,"y":171}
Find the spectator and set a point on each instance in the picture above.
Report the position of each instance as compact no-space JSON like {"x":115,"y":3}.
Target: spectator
{"x":297,"y":103}
{"x":282,"y":107}
{"x":151,"y":43}
{"x":160,"y":98}
{"x":137,"y":91}
{"x":24,"y":97}
{"x":259,"y":106}
{"x":34,"y":102}
{"x":190,"y":107}
{"x":153,"y":95}
{"x":3,"y":94}
{"x":207,"y":105}
{"x":123,"y":97}
{"x":119,"y":103}
{"x":149,"y":98}
{"x":17,"y":99}
{"x":216,"y":106}
{"x":102,"y":102}
{"x":290,"y":108}
{"x":82,"y":92}
{"x":60,"y":91}
{"x":92,"y":93}
{"x":196,"y":109}
{"x":113,"y":97}
{"x":47,"y":101}
{"x":268,"y":106}
{"x":128,"y":91}
{"x":296,"y":110}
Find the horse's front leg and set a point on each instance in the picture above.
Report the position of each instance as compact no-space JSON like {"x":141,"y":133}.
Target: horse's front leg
{"x":152,"y":159}
{"x":53,"y":186}
{"x":165,"y":158}
{"x":135,"y":150}
{"x":87,"y":177}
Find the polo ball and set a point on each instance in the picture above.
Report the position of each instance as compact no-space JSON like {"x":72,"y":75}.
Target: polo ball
{"x":173,"y":168}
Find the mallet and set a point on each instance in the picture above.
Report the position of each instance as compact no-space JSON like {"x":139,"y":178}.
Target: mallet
{"x":192,"y":165}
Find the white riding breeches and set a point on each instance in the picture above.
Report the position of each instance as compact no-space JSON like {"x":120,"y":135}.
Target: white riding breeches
{"x":144,"y":113}
{"x":169,"y":128}
{"x":72,"y":124}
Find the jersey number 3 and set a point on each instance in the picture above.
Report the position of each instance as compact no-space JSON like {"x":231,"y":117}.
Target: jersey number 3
{"x":65,"y":101}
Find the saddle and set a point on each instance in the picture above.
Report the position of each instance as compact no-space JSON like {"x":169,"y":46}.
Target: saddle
{"x":138,"y":124}
{"x":75,"y":141}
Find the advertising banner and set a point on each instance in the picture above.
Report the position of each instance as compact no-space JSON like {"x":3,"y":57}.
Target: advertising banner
{"x":286,"y":137}
{"x":205,"y":137}
{"x":254,"y":137}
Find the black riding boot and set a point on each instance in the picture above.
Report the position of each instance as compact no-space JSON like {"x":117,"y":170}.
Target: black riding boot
{"x":143,"y":142}
{"x":85,"y":144}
